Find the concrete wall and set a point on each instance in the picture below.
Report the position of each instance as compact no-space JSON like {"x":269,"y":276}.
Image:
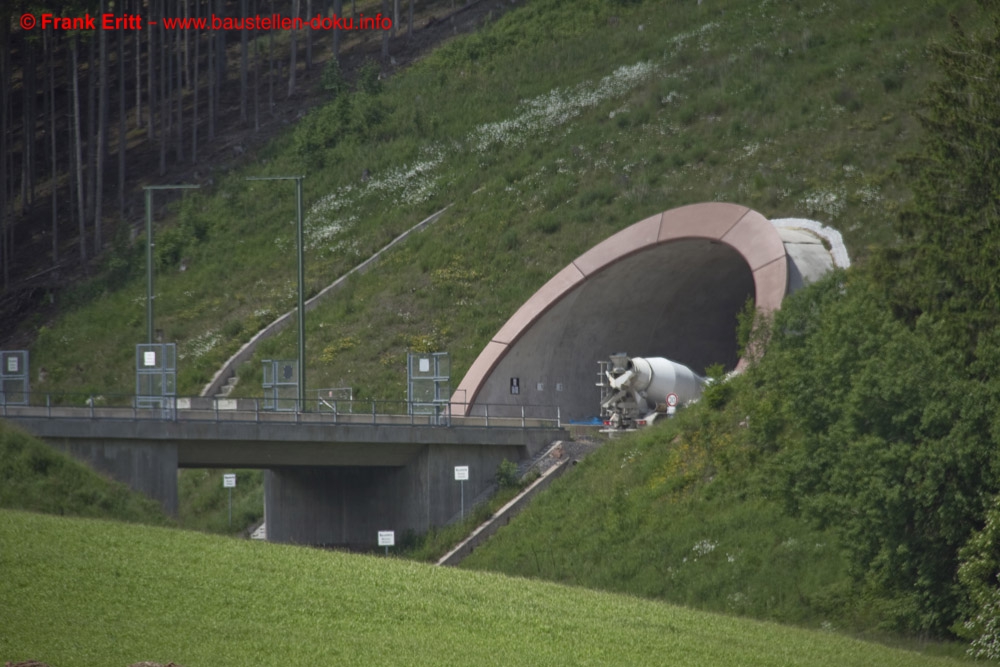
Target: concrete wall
{"x":346,"y":506}
{"x":149,"y":467}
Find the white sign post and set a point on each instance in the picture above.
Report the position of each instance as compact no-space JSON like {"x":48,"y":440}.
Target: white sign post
{"x":462,"y":474}
{"x":387,"y":538}
{"x":229,"y":482}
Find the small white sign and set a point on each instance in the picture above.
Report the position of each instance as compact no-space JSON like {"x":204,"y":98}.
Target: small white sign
{"x":149,"y":358}
{"x":12,"y":364}
{"x":387,"y":538}
{"x":461,"y":473}
{"x":671,"y":400}
{"x":425,"y":365}
{"x":229,"y":480}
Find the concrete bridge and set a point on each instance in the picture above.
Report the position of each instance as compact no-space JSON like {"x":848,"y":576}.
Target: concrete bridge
{"x":332,"y":479}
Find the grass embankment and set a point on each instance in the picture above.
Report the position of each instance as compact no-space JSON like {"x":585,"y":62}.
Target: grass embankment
{"x":37,"y":478}
{"x":86,"y":592}
{"x":795,"y":112}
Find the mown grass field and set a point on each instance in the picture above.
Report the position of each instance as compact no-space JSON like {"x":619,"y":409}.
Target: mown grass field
{"x":88,"y":592}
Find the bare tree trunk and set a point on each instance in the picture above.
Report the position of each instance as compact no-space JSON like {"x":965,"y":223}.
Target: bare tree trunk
{"x":309,"y":36}
{"x":409,"y":27}
{"x":163,"y":43}
{"x":270,"y":65}
{"x":81,"y":212}
{"x":179,"y":63}
{"x":102,"y":137}
{"x":221,"y":63}
{"x":212,"y":74}
{"x":151,"y":78}
{"x":197,"y":87}
{"x":4,"y":126}
{"x":338,"y":7}
{"x":256,"y":75}
{"x":51,"y":67}
{"x":385,"y":34}
{"x":293,"y":50}
{"x":27,"y":125}
{"x":122,"y":138}
{"x":138,"y":74}
{"x":91,"y":126}
{"x":244,"y":36}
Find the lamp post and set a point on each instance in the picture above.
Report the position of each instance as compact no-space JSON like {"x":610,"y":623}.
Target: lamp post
{"x":149,"y":250}
{"x":302,"y":278}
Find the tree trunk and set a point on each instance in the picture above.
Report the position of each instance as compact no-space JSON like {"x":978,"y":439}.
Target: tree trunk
{"x":91,"y":126}
{"x":256,"y":75}
{"x":78,"y":149}
{"x":151,"y":75}
{"x":197,"y":87}
{"x":309,"y":36}
{"x":50,"y":38}
{"x":179,"y":63}
{"x":293,"y":49}
{"x":122,"y":138}
{"x":212,"y":74}
{"x":164,"y":43}
{"x":270,"y":65}
{"x":102,"y":137}
{"x":28,"y":128}
{"x":4,"y":126}
{"x":244,"y":36}
{"x":338,"y":7}
{"x":385,"y":34}
{"x":409,"y":27}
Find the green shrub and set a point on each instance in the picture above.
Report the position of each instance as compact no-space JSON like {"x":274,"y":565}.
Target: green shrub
{"x":507,"y":475}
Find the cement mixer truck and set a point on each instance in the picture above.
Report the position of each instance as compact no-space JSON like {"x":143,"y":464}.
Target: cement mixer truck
{"x":635,"y":391}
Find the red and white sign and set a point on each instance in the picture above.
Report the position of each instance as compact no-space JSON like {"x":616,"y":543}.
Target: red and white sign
{"x":672,"y":400}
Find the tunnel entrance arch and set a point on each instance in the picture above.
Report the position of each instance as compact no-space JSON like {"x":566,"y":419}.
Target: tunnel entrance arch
{"x":670,"y":285}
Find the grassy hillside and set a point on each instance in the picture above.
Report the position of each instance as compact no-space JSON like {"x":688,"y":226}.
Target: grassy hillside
{"x":856,"y":458}
{"x":81,"y":592}
{"x":636,"y":108}
{"x":35,"y":477}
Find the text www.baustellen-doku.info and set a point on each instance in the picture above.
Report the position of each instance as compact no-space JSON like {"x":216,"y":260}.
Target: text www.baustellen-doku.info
{"x":257,"y":22}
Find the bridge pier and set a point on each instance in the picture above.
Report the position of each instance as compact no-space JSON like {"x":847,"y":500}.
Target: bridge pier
{"x":346,"y":506}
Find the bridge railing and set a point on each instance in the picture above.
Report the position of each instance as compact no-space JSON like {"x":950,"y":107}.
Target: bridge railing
{"x":55,"y":405}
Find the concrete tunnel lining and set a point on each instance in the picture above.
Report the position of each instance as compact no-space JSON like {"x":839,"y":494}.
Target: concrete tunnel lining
{"x":669,"y":285}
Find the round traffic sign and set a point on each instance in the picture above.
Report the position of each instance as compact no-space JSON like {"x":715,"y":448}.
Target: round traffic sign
{"x":672,"y":399}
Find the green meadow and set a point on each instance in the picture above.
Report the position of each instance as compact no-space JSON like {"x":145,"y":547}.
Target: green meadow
{"x":90,"y":592}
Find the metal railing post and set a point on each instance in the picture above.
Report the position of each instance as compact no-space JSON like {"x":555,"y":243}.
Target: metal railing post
{"x":373,"y":412}
{"x":91,"y":406}
{"x":48,"y":405}
{"x":486,"y":408}
{"x":522,"y":416}
{"x":558,"y":417}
